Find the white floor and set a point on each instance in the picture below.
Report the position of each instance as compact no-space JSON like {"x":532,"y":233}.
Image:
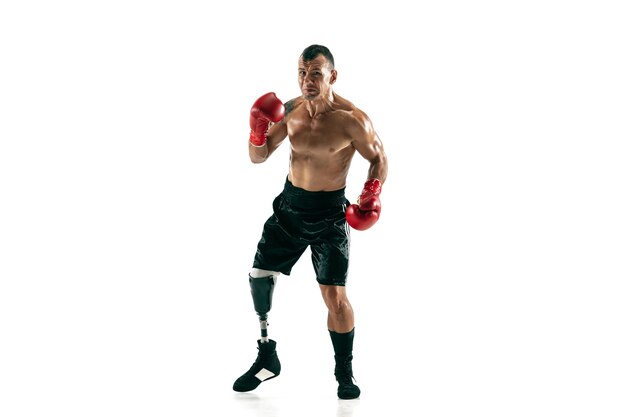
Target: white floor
{"x":446,"y":347}
{"x":493,"y":285}
{"x":273,"y":403}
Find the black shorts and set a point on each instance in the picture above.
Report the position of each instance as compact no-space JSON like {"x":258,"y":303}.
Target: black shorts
{"x":307,"y":218}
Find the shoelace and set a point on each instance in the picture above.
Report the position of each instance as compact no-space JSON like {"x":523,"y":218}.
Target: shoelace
{"x":343,"y":373}
{"x":256,"y":364}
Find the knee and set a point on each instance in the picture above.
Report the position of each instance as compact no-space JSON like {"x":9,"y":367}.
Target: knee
{"x":337,"y":302}
{"x":262,"y":288}
{"x":339,"y":308}
{"x":262,"y":273}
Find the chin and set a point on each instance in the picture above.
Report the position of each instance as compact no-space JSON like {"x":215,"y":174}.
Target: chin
{"x":308,"y":95}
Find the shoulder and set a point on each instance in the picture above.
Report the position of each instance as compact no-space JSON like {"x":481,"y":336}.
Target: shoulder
{"x":356,"y":121}
{"x":292,"y":104}
{"x":352,"y":112}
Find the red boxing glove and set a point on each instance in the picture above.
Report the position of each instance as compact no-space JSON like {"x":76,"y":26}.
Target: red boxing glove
{"x":268,"y":108}
{"x":365,"y":213}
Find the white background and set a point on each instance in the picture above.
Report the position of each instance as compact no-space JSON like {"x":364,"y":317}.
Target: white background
{"x":492,"y":285}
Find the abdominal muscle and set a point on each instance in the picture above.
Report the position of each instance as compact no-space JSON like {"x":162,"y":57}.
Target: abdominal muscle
{"x":314,"y":173}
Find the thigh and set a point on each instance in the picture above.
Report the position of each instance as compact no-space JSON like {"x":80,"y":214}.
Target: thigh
{"x":277,"y":250}
{"x":331,"y":260}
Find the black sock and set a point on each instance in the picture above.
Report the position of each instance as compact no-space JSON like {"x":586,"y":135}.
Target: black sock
{"x":342,"y":342}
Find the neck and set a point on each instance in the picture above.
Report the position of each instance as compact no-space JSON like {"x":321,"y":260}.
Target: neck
{"x":320,"y":105}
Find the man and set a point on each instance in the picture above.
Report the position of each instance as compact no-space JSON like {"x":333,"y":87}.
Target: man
{"x":325,"y":131}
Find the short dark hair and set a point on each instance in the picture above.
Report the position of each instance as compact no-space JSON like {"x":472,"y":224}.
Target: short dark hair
{"x":310,"y":52}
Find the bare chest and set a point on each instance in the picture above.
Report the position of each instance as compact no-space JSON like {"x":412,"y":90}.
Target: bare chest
{"x":318,"y":136}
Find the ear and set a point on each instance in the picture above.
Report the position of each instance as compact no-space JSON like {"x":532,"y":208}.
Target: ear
{"x":333,"y":76}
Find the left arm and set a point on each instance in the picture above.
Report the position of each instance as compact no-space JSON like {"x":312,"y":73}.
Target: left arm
{"x":365,"y":213}
{"x":369,"y":146}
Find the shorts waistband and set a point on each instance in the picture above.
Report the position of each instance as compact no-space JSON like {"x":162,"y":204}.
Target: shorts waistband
{"x":313,"y":199}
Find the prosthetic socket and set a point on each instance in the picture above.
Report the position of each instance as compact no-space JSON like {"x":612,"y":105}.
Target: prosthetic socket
{"x":262,"y":290}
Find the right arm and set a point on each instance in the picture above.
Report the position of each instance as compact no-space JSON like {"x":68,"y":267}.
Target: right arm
{"x":276,"y":134}
{"x":267,"y":127}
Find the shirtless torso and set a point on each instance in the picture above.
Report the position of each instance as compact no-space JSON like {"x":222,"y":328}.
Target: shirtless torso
{"x":325,"y":130}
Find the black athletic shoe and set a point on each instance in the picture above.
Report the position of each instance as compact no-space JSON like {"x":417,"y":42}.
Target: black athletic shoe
{"x":266,"y":366}
{"x":343,"y":374}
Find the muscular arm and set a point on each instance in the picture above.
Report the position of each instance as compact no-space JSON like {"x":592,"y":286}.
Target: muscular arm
{"x":365,"y":213}
{"x":276,"y":134}
{"x":369,"y":146}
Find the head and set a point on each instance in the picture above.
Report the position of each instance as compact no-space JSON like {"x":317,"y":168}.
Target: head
{"x":316,"y":72}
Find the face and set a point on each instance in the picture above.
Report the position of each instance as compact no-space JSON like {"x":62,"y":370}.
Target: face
{"x":315,"y":77}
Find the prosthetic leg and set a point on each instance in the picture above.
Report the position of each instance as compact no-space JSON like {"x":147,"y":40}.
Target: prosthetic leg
{"x":266,"y":366}
{"x":262,"y":289}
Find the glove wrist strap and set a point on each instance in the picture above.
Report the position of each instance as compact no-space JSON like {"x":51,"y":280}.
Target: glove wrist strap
{"x":257,"y":141}
{"x":373,"y":186}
